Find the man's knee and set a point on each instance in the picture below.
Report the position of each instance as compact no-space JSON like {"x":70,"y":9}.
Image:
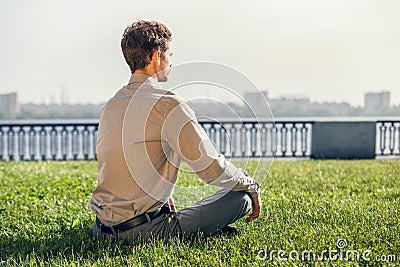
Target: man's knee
{"x":242,"y":200}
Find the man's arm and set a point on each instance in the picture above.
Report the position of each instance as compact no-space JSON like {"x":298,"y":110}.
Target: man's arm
{"x":185,"y":136}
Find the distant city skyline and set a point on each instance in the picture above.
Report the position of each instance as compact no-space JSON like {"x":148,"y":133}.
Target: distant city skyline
{"x":376,"y":105}
{"x":328,"y":51}
{"x":378,"y":98}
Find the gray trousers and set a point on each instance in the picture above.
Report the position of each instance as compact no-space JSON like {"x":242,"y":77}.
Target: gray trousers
{"x":207,"y":217}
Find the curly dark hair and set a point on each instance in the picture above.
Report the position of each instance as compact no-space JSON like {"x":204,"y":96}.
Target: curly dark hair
{"x":141,"y":39}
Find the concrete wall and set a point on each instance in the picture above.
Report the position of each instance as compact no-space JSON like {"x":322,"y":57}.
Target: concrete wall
{"x":343,"y":140}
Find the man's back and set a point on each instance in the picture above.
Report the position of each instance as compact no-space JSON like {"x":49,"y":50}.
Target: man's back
{"x":120,"y":193}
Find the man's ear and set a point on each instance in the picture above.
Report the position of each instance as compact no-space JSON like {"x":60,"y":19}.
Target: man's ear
{"x":156,"y":57}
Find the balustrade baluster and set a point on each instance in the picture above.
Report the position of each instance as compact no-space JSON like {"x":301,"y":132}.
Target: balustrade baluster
{"x":21,"y":141}
{"x":253,"y":139}
{"x":95,"y":141}
{"x":53,"y":143}
{"x":2,"y":142}
{"x":293,"y":141}
{"x":398,"y":139}
{"x":233,"y":131}
{"x":75,"y":142}
{"x":284,"y":139}
{"x":64,"y":142}
{"x":32,"y":143}
{"x":382,"y":139}
{"x":222,"y":139}
{"x":274,"y":140}
{"x":12,"y":147}
{"x":85,"y":143}
{"x":43,"y":144}
{"x":243,"y":139}
{"x":263,"y":140}
{"x":392,"y":130}
{"x":304,"y":138}
{"x":213,"y":134}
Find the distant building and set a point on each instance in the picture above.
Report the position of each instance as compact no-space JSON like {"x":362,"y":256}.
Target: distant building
{"x":256,"y":99}
{"x":8,"y":105}
{"x":377,"y":101}
{"x":291,"y":100}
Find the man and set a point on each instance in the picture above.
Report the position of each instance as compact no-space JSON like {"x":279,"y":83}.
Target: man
{"x":144,"y":132}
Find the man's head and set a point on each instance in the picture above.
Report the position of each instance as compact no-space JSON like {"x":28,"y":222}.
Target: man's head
{"x":145,"y":45}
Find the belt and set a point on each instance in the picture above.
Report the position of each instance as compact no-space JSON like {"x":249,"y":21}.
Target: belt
{"x":135,"y":221}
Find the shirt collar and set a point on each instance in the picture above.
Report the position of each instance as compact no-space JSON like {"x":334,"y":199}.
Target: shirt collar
{"x":141,"y":78}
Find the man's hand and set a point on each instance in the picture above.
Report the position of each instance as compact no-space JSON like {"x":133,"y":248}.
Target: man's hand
{"x":171,"y":204}
{"x":256,"y":209}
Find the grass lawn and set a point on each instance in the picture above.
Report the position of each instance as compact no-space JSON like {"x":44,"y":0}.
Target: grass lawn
{"x":308,"y":205}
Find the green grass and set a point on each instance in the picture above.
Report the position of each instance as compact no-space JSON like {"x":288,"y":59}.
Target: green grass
{"x":308,"y":205}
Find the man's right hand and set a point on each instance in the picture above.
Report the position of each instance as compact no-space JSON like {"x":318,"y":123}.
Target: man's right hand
{"x":256,"y":209}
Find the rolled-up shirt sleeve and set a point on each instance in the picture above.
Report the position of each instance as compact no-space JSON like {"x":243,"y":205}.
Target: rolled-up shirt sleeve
{"x":183,"y":134}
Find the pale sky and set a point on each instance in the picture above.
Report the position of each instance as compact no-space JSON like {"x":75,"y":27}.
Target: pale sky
{"x":330,"y":51}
